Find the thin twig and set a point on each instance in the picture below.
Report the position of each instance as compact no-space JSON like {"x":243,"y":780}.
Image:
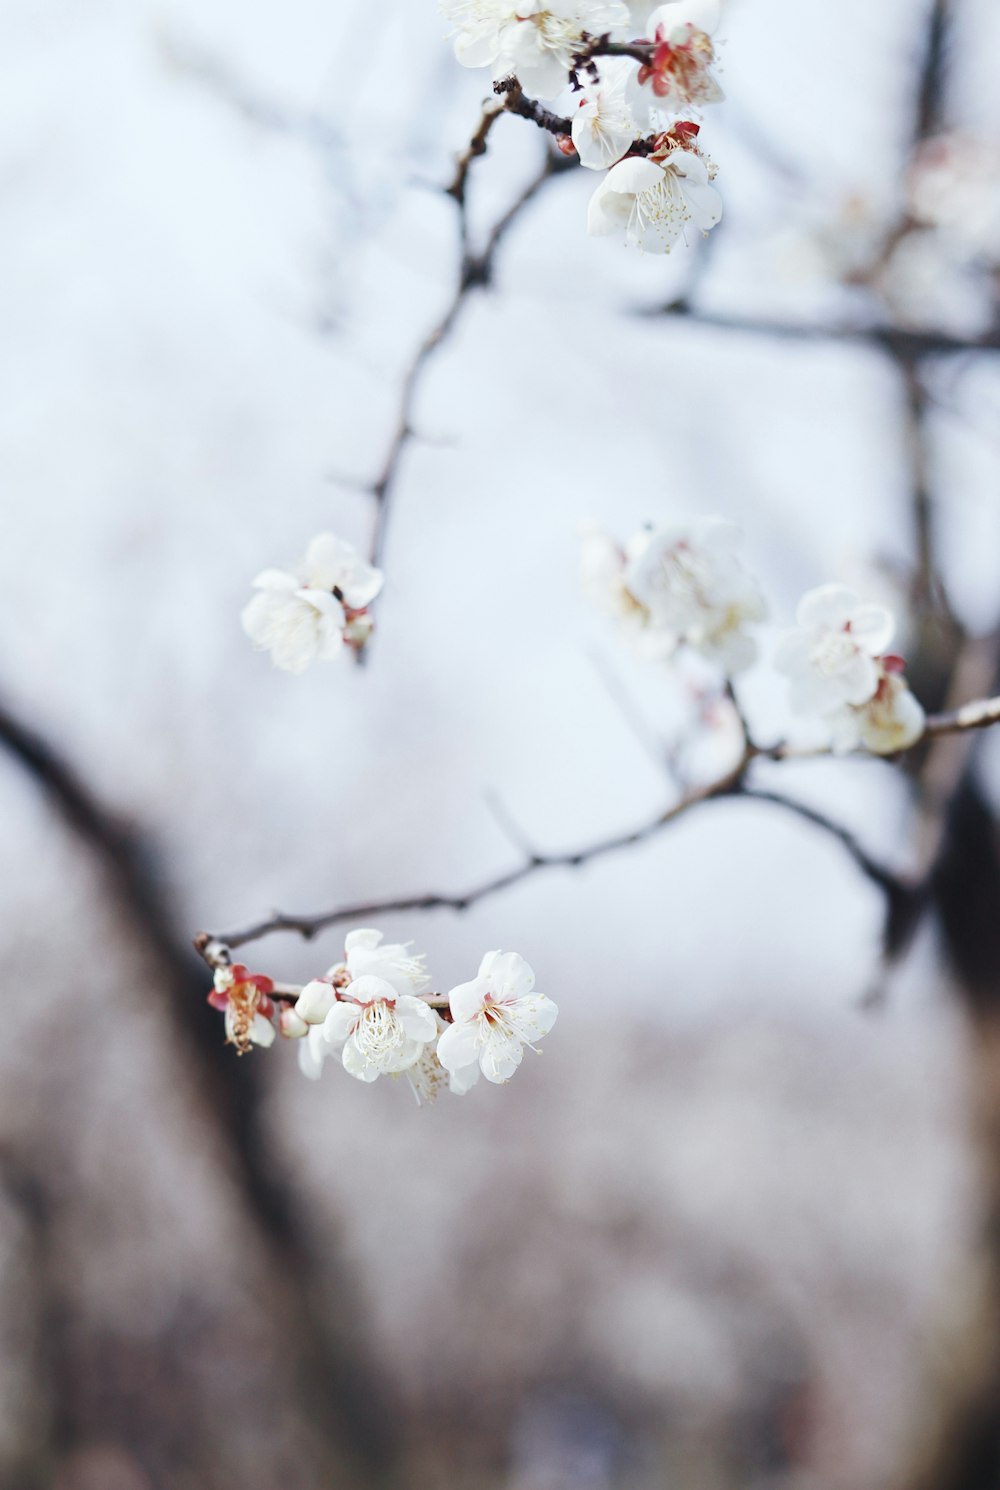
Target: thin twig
{"x":974,"y":716}
{"x":475,"y":272}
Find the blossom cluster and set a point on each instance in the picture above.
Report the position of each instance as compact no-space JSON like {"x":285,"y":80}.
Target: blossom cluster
{"x":839,"y":666}
{"x":373,"y":1013}
{"x":930,"y":261}
{"x":635,"y":116}
{"x":317,"y":610}
{"x":678,"y":586}
{"x":686,"y":586}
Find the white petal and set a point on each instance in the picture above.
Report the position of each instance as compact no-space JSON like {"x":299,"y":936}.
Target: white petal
{"x":860,"y":679}
{"x":315,"y":1001}
{"x":313,"y":1051}
{"x":340,"y":1021}
{"x":500,"y":1056}
{"x":466,"y":1000}
{"x":262,"y":1031}
{"x":508,"y":975}
{"x":363,"y":937}
{"x":417,"y":1019}
{"x":532,"y":1017}
{"x":275,"y":579}
{"x":368,"y":989}
{"x":356,"y":1065}
{"x":458,"y":1045}
{"x":873,"y":627}
{"x":464,"y":1079}
{"x":830,"y":606}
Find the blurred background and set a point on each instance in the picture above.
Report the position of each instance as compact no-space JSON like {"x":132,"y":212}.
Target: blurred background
{"x":728,"y":1231}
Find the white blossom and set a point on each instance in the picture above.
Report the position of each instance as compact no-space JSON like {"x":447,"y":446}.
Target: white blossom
{"x":603,"y":563}
{"x":393,"y":962}
{"x":479,"y":29}
{"x":653,"y":202}
{"x":244,"y":997}
{"x":291,"y":1024}
{"x":603,"y":125}
{"x":494,"y":1017}
{"x":316,"y":1000}
{"x":830,"y":658}
{"x":695,"y":588}
{"x":428,"y":1078}
{"x":378,"y":1029}
{"x":679,"y":77}
{"x":535,"y":42}
{"x":304,"y":614}
{"x":891,"y":720}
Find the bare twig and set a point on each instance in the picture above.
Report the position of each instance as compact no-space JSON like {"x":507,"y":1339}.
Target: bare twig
{"x":974,"y":716}
{"x":879,"y":875}
{"x":310,"y":926}
{"x":475,"y":272}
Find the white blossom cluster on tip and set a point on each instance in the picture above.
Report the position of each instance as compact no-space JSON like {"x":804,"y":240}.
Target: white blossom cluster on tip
{"x":652,"y":195}
{"x":678,"y":585}
{"x":839,"y":666}
{"x":316,"y":611}
{"x":371,"y":1013}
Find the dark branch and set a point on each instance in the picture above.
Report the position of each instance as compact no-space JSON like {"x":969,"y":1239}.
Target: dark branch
{"x":894,"y":340}
{"x":475,"y":272}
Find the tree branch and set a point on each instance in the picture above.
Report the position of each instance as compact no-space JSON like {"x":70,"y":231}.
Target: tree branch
{"x":894,"y":340}
{"x":336,"y":1376}
{"x":475,"y":272}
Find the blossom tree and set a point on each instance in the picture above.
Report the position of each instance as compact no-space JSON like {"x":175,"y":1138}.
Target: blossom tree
{"x":884,"y":668}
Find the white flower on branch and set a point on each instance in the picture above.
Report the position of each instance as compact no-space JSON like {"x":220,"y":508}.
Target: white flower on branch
{"x":830,"y":657}
{"x":891,"y":720}
{"x":654,"y":201}
{"x":679,"y":76}
{"x":603,"y":563}
{"x":538,"y":44}
{"x":689,"y":585}
{"x":604,"y":126}
{"x":244,"y":998}
{"x":428,"y":1078}
{"x":316,"y":611}
{"x":839,"y":667}
{"x":393,"y":962}
{"x":379,"y":1031}
{"x":495,"y":1016}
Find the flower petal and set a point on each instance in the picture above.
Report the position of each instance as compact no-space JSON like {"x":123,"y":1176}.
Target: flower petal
{"x":355,"y":1064}
{"x":340,"y":1021}
{"x":829,"y":606}
{"x":458,"y":1045}
{"x":417,"y":1018}
{"x":315,"y":1001}
{"x":466,"y":1001}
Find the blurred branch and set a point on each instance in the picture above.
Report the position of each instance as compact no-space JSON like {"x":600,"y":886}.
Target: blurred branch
{"x":336,"y":1378}
{"x":895,"y":340}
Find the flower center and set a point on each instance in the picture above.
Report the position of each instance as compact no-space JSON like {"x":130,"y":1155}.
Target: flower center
{"x":834,"y":654}
{"x":378,"y":1032}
